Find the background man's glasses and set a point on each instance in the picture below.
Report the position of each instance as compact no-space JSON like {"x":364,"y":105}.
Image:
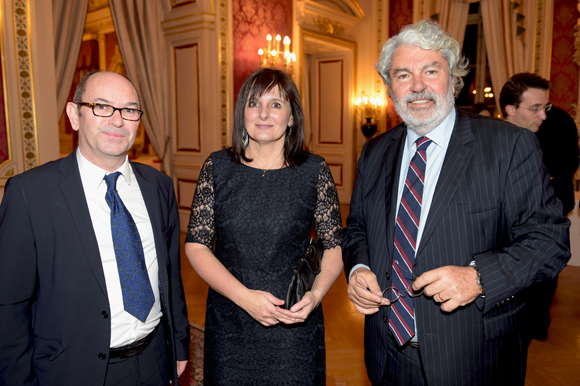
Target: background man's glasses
{"x":105,"y":111}
{"x":537,"y":109}
{"x":392,"y":293}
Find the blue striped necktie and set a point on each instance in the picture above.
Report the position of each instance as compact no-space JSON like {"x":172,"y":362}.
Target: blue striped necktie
{"x":402,"y":318}
{"x":138,"y":295}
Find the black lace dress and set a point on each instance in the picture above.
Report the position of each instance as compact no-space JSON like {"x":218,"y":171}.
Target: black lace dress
{"x":261,"y":224}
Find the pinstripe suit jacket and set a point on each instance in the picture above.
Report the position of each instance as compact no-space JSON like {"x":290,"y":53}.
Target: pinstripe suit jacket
{"x":493,"y":203}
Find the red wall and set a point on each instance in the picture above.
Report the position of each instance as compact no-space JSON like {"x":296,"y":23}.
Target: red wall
{"x":252,"y":21}
{"x":564,"y":72}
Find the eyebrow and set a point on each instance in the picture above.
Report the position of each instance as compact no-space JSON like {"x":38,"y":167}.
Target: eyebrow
{"x":106,"y":101}
{"x":405,"y":69}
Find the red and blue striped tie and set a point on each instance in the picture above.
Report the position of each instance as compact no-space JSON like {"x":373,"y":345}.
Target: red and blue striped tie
{"x":402,"y":319}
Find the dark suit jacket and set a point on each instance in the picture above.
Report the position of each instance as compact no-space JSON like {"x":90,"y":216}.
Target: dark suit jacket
{"x":54,"y":310}
{"x":493,"y":203}
{"x":558,"y":138}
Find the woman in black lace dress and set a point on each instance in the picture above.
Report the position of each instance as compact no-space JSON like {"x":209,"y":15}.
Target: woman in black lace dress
{"x":251,"y":218}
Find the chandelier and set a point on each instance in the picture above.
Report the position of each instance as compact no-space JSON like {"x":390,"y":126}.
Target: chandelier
{"x":273,"y":57}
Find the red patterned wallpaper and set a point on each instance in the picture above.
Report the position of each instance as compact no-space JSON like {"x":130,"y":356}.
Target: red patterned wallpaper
{"x":563,"y":71}
{"x":401,"y":13}
{"x":252,"y":21}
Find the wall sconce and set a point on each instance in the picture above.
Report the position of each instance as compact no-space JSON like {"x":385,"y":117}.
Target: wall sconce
{"x":487,"y":92}
{"x":369,"y":111}
{"x":273,"y":57}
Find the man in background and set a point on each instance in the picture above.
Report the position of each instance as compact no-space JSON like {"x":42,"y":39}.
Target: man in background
{"x":524,"y":102}
{"x":90,"y":284}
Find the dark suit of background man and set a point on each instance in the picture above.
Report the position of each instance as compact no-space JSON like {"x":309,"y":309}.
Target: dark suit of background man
{"x":489,"y":227}
{"x":62,"y":316}
{"x":524,"y":102}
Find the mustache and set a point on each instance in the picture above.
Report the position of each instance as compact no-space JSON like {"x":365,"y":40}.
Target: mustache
{"x":424,"y":94}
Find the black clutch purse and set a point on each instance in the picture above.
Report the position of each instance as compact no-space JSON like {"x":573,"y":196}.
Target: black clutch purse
{"x":305,"y":273}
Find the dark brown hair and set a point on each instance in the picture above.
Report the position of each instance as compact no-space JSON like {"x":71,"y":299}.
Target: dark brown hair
{"x":257,"y":84}
{"x":511,"y":92}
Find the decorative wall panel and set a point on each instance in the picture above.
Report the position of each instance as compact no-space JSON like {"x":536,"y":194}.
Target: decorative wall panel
{"x":331,"y":97}
{"x":187,"y":98}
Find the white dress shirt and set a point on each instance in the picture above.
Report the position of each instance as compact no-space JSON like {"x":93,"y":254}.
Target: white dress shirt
{"x":125,"y":328}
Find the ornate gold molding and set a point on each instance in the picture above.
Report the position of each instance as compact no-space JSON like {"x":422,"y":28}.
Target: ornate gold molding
{"x":329,"y":27}
{"x":223,"y":68}
{"x":539,"y":37}
{"x":25,"y":84}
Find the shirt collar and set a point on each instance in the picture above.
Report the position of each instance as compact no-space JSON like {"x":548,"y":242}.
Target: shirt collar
{"x":439,"y":135}
{"x":92,"y":175}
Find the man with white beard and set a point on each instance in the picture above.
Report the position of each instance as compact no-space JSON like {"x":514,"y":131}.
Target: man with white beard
{"x":451,"y":217}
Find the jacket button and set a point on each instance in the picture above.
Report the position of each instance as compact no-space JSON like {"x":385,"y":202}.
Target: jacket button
{"x":385,"y":319}
{"x":102,"y":356}
{"x":105,"y":315}
{"x":388,"y":276}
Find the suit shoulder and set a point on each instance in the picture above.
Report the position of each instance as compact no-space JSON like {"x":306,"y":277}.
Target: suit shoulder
{"x":38,"y":175}
{"x":152,"y":173}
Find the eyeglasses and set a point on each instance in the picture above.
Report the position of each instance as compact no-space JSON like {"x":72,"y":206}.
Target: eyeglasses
{"x":537,"y":109}
{"x":105,"y":111}
{"x":392,"y":293}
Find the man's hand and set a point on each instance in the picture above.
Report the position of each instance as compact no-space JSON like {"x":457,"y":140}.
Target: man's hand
{"x":365,"y":293}
{"x":451,"y":286}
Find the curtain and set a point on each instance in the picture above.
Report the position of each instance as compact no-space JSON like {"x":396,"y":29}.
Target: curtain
{"x":509,"y":27}
{"x":450,"y":14}
{"x":68,"y":23}
{"x":145,"y":54}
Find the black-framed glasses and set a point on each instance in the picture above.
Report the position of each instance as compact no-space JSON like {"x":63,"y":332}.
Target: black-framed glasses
{"x":537,"y":109}
{"x":392,"y":293}
{"x":103,"y":110}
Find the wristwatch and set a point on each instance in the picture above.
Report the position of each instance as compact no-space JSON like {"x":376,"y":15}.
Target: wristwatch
{"x":478,"y":279}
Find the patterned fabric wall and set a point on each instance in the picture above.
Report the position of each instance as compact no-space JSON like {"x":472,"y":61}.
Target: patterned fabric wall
{"x":563,"y":70}
{"x":252,"y":21}
{"x":401,"y":13}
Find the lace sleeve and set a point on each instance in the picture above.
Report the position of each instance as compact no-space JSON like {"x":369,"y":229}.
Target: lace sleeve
{"x":201,"y":226}
{"x":327,"y":220}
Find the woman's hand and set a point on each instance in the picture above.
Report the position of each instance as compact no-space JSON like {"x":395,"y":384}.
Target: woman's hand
{"x":299,"y":311}
{"x":262,"y":306}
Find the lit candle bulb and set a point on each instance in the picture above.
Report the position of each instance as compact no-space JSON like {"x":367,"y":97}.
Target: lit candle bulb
{"x":278,"y":38}
{"x":261,"y":53}
{"x":269,"y":39}
{"x":286,"y":43}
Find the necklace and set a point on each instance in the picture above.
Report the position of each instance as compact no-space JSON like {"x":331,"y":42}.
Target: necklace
{"x":268,"y":168}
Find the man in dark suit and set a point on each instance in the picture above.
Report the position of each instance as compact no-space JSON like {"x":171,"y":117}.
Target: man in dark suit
{"x":73,"y":310}
{"x":452,"y":216}
{"x":524,"y":102}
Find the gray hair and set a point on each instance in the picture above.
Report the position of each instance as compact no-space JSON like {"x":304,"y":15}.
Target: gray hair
{"x":429,"y":36}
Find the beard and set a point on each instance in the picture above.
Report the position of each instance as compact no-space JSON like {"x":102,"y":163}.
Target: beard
{"x":424,"y":119}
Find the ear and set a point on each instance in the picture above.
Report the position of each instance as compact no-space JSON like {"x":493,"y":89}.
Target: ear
{"x":73,"y":115}
{"x":510,"y":110}
{"x":389,"y":92}
{"x":291,"y":121}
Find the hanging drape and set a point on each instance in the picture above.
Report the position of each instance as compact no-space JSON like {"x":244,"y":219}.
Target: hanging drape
{"x":145,"y":54}
{"x":450,"y":14}
{"x":509,"y":27}
{"x":68,"y":24}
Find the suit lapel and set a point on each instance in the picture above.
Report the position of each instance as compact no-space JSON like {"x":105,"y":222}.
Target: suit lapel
{"x":393,"y":156}
{"x":459,"y":153}
{"x":72,"y":189}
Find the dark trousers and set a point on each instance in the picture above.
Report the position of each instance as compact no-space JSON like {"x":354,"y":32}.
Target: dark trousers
{"x":150,"y":368}
{"x":539,"y":297}
{"x":404,"y":366}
